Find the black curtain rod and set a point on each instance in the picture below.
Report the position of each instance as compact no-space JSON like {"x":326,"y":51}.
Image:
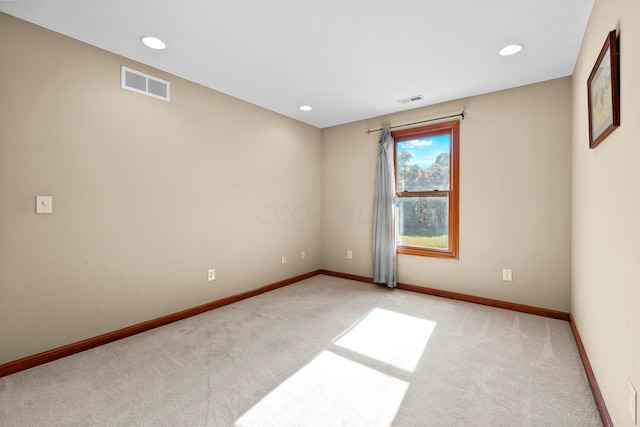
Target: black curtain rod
{"x":417,"y":123}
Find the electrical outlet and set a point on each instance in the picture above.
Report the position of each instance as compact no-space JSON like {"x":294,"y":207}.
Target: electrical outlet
{"x":303,"y":255}
{"x":507,"y":274}
{"x":349,"y":254}
{"x":211,"y":275}
{"x":284,"y":259}
{"x":633,"y":404}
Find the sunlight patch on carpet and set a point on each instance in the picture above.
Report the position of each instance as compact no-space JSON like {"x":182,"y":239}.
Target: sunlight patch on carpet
{"x":389,"y":337}
{"x":330,"y":390}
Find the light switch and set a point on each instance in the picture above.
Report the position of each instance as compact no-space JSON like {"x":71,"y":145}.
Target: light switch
{"x":44,"y":204}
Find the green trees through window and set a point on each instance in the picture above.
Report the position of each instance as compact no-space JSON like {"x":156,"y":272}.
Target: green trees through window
{"x":413,"y":177}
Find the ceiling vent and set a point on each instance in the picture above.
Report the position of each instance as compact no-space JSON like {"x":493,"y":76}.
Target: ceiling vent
{"x":140,"y":82}
{"x":410,"y":99}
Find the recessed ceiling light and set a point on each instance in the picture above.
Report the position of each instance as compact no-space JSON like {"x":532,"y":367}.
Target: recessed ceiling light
{"x":306,"y":108}
{"x":511,"y":49}
{"x":153,"y":43}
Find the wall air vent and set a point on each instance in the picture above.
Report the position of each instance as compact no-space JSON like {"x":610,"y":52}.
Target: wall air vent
{"x":140,"y":82}
{"x":410,"y":99}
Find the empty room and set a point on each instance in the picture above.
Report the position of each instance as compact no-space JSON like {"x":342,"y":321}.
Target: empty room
{"x":296,"y":213}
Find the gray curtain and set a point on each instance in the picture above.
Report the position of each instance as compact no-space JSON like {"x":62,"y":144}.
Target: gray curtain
{"x":384,"y":227}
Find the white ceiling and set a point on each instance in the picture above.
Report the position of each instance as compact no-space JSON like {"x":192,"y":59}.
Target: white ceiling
{"x":349,"y":59}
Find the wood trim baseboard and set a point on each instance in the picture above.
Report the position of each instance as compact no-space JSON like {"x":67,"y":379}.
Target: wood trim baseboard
{"x":347,"y":276}
{"x":554,"y":314}
{"x":89,"y":343}
{"x":595,"y":389}
{"x":529,"y":309}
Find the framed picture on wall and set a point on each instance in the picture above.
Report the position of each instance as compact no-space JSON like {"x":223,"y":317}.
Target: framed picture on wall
{"x":603,"y":90}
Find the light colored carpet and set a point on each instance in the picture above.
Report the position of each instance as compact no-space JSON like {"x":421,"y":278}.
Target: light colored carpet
{"x":322,"y":352}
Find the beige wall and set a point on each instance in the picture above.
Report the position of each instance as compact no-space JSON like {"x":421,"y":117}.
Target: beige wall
{"x":514,"y":197}
{"x":147,"y":195}
{"x":606,"y":215}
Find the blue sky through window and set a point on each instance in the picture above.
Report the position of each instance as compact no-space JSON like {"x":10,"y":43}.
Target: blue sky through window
{"x":425,"y":150}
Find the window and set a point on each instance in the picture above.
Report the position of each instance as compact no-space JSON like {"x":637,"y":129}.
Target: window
{"x":426,"y":161}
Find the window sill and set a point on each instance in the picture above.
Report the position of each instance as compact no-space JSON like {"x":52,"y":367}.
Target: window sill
{"x":428,"y":252}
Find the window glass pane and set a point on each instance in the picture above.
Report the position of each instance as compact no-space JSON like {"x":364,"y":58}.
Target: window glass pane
{"x":424,"y":221}
{"x":423,"y":164}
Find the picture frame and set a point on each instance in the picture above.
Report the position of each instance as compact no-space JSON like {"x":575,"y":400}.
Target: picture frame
{"x":603,"y":92}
